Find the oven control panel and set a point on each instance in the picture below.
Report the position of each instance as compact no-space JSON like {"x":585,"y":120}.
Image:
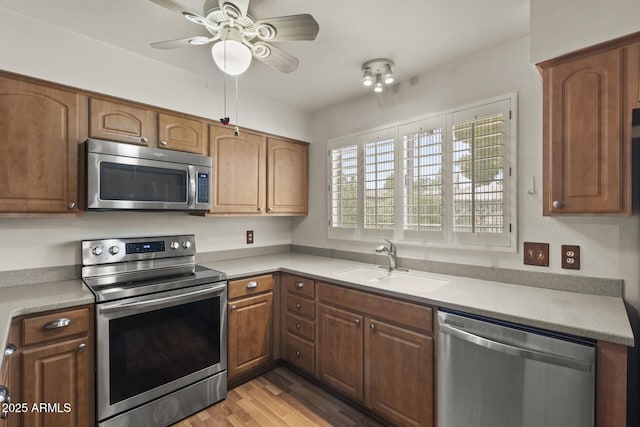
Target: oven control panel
{"x":107,"y":251}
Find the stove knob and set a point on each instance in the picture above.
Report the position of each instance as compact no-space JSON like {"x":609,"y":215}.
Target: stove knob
{"x":186,"y":244}
{"x":113,"y":250}
{"x":174,"y":245}
{"x":97,"y":250}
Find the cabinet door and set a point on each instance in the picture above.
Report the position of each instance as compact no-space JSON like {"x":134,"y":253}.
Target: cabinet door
{"x":340,"y":347}
{"x":122,"y":122}
{"x":250,"y":333}
{"x":398,"y":374}
{"x":181,"y":133}
{"x":60,"y":375}
{"x":288,"y":175}
{"x":239,"y":171}
{"x":583,"y":145}
{"x":40,"y":132}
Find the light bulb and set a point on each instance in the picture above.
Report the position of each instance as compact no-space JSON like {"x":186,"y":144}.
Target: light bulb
{"x":367,"y":78}
{"x":378,"y":86}
{"x":388,"y":75}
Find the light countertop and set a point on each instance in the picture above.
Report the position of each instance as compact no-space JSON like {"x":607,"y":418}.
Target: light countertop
{"x":591,"y":316}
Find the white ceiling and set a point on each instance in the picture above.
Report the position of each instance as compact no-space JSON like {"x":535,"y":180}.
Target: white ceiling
{"x":417,"y":34}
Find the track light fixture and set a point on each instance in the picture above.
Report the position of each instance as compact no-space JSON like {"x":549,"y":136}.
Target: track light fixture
{"x":378,"y":73}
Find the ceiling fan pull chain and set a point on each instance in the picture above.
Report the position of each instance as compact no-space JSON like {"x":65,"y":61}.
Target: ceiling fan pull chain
{"x":236,"y":130}
{"x":225,"y":120}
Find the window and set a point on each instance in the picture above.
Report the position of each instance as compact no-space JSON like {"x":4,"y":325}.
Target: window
{"x":445,"y":180}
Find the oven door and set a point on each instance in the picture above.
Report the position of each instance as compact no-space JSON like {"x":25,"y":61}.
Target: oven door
{"x":152,"y":345}
{"x":118,"y":182}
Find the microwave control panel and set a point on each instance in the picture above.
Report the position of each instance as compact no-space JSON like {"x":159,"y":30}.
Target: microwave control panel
{"x":203,"y":187}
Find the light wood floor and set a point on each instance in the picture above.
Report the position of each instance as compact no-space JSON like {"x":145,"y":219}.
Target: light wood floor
{"x":279,"y":398}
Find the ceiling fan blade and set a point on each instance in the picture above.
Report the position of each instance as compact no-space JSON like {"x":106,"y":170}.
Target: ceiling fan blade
{"x":188,"y":41}
{"x":235,"y":9}
{"x":287,"y":28}
{"x":186,"y":12}
{"x":172,"y":5}
{"x":275,"y":57}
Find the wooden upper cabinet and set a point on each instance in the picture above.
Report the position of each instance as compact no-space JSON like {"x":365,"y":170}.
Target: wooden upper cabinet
{"x":239,"y":171}
{"x":287,"y":176}
{"x":632,"y":55}
{"x":122,"y":122}
{"x":41,"y":128}
{"x":583,"y":145}
{"x":182,"y":133}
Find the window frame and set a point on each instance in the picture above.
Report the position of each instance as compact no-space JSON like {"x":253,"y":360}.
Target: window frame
{"x":506,"y":241}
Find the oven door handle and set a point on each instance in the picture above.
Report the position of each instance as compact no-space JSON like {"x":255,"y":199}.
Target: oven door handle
{"x":163,"y":301}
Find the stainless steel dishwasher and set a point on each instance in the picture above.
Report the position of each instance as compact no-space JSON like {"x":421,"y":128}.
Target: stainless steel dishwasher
{"x":497,"y":374}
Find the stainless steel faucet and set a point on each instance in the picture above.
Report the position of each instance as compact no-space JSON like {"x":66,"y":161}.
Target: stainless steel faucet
{"x":391,"y":253}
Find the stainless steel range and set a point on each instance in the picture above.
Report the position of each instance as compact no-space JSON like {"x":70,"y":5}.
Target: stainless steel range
{"x":161,"y":330}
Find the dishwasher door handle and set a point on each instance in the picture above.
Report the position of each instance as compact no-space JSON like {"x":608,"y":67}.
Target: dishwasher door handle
{"x":516,"y":351}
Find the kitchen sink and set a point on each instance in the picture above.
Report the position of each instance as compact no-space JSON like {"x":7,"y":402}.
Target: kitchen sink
{"x":402,"y":280}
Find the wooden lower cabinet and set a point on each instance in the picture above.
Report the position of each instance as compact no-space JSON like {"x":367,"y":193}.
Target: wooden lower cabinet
{"x":379,"y":352}
{"x":56,"y":375}
{"x":340,"y":351}
{"x":250,"y":333}
{"x":398,"y":373}
{"x":53,"y":375}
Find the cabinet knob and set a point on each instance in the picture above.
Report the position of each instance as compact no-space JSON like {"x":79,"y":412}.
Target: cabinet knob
{"x":557,"y":204}
{"x":259,"y":209}
{"x":4,"y":398}
{"x":234,"y":307}
{"x":143,"y":139}
{"x":269,"y":210}
{"x":298,"y":354}
{"x":163,"y":143}
{"x":72,"y":205}
{"x":357,"y":322}
{"x":372,"y":327}
{"x":9,"y":350}
{"x":82,"y":347}
{"x":252,"y":284}
{"x":299,"y":285}
{"x":298,"y":326}
{"x":298,"y":307}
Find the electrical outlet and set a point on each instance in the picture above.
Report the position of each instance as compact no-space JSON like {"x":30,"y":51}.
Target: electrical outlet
{"x":536,"y":254}
{"x":249,"y":237}
{"x":571,"y":257}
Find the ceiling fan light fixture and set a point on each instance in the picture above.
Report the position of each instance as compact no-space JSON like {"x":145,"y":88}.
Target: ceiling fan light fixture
{"x":230,"y":55}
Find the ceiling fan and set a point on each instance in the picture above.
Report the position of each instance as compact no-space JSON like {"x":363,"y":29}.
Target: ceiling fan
{"x":238,"y":37}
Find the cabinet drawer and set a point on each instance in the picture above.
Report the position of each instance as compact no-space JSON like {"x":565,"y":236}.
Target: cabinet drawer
{"x":250,"y":286}
{"x":300,"y":353}
{"x":300,"y":286}
{"x":414,"y":316}
{"x":301,"y":306}
{"x":55,"y":326}
{"x":300,"y":327}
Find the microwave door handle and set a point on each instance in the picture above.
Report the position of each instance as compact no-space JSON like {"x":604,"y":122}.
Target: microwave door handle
{"x":191,"y":198}
{"x":170,"y":300}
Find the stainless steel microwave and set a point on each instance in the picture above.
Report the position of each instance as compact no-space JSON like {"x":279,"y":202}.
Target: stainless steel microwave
{"x":124,"y":176}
